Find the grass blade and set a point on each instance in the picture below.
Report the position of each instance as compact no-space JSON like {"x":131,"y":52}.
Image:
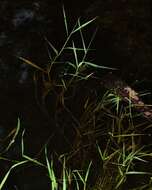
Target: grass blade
{"x":75,"y":54}
{"x":83,"y":25}
{"x":32,"y":64}
{"x":87,"y":173}
{"x":15,"y":135}
{"x":82,"y":38}
{"x":138,"y":173}
{"x":51,"y":173}
{"x":53,"y":48}
{"x":9,"y":171}
{"x":65,"y":21}
{"x":98,"y":66}
{"x":64,"y":176}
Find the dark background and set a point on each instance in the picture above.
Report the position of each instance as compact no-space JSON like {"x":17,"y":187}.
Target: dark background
{"x":123,"y":41}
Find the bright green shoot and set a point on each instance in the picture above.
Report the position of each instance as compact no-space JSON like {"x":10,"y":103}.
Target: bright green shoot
{"x":9,"y":171}
{"x":54,"y":183}
{"x":17,"y":163}
{"x":83,"y":179}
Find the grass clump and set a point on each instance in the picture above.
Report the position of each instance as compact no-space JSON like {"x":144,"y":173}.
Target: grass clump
{"x":120,"y":156}
{"x":106,"y":148}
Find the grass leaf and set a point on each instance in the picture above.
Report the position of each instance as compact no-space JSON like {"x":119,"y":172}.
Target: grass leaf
{"x":98,"y":66}
{"x":32,"y":64}
{"x":9,"y":171}
{"x":51,"y":173}
{"x":84,"y":25}
{"x":53,"y":48}
{"x":65,"y":21}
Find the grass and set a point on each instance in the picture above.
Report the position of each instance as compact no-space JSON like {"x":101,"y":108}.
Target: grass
{"x":107,"y":150}
{"x":118,"y":159}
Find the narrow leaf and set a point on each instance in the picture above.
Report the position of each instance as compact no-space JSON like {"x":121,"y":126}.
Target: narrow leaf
{"x":65,"y":21}
{"x":8,"y":173}
{"x":32,"y":64}
{"x":98,"y":66}
{"x":138,"y":173}
{"x":53,"y":48}
{"x":84,"y":25}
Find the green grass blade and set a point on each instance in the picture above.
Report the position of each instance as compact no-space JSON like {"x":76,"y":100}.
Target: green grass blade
{"x":78,"y":49}
{"x":76,"y":181}
{"x":89,"y":45}
{"x":64,"y":176}
{"x":65,"y":21}
{"x":82,"y":38}
{"x":100,"y":153}
{"x":87,"y":173}
{"x":9,"y":171}
{"x":98,"y":66}
{"x":52,"y":47}
{"x":138,"y":173}
{"x":33,"y":160}
{"x":83,"y":25}
{"x":27,"y":157}
{"x":121,"y":181}
{"x":80,"y":176}
{"x":75,"y":54}
{"x":51,"y":173}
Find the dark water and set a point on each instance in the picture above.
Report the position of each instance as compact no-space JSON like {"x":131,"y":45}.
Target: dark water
{"x":123,"y":41}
